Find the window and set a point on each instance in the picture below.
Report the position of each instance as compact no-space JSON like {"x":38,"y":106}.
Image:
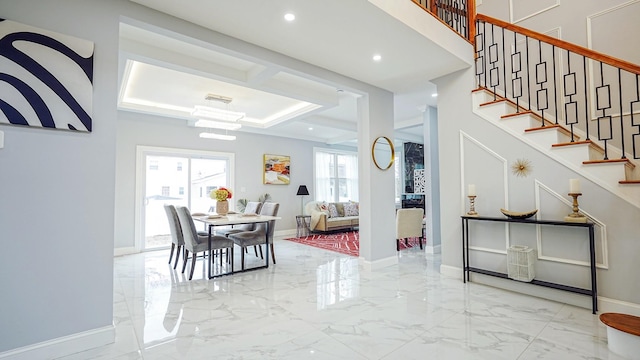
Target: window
{"x":209,"y":190}
{"x":166,"y":191}
{"x":181,"y":190}
{"x":153,"y":165}
{"x":179,"y":166}
{"x":336,"y":174}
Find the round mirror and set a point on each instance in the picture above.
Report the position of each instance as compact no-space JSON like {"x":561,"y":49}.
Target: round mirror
{"x":383,"y":152}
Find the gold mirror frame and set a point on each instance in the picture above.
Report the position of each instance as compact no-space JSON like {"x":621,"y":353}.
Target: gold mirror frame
{"x":379,"y":140}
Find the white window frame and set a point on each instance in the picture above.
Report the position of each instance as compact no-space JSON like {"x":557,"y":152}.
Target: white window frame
{"x":335,"y":175}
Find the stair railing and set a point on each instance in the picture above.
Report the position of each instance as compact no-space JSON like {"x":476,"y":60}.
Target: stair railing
{"x":459,"y":15}
{"x":591,"y":94}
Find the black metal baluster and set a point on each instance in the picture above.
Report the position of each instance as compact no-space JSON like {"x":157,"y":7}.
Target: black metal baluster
{"x":633,"y":110}
{"x":624,"y":156}
{"x":516,"y":67}
{"x":541,"y":79}
{"x":526,"y":43}
{"x":586,"y":97}
{"x":570,"y":89}
{"x":504,"y":65}
{"x":479,"y":58}
{"x":494,"y":73}
{"x":555,"y":83}
{"x":603,"y":92}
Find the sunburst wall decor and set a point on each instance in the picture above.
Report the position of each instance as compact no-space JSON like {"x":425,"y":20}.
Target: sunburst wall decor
{"x":522,"y":167}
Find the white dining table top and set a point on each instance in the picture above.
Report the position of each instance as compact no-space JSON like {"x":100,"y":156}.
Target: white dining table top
{"x":231,"y":219}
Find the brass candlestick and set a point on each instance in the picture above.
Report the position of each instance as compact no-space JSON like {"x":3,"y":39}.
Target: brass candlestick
{"x":575,"y":216}
{"x":472,"y":206}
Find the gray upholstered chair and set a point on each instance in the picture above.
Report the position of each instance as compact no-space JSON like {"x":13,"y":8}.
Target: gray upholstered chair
{"x":196,"y":243}
{"x":253,"y":207}
{"x":409,"y":225}
{"x":257,"y":235}
{"x":177,"y":240}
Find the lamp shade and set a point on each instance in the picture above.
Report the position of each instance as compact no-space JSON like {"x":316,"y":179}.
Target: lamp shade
{"x":302,"y":190}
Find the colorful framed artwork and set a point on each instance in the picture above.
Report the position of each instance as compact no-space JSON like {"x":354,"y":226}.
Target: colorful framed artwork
{"x":46,"y":79}
{"x":276,"y":169}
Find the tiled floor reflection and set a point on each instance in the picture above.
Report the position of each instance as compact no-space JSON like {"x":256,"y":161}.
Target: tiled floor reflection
{"x":316,"y":304}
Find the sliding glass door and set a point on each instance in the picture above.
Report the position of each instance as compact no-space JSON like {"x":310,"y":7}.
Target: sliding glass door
{"x":178,"y":177}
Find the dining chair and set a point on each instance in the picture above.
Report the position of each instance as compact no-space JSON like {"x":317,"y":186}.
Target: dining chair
{"x":196,"y":243}
{"x":258,"y":235}
{"x":253,"y":207}
{"x":177,"y":240}
{"x":409,"y":225}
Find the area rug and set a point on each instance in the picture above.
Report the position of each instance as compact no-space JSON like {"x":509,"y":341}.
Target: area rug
{"x":344,"y":242}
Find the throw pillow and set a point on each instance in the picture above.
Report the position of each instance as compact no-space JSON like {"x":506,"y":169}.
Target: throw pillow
{"x":333,"y":211}
{"x":340,"y":208}
{"x":323,"y":206}
{"x":351,"y":209}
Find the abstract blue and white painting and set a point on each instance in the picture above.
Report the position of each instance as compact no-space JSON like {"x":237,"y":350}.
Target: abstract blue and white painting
{"x":46,"y":78}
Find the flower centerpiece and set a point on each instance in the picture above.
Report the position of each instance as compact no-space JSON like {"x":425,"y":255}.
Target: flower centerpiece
{"x":221,"y":194}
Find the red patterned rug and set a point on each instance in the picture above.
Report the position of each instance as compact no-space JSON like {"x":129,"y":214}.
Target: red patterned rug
{"x":344,"y":242}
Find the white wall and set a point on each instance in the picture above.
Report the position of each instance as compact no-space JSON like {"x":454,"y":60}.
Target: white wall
{"x":56,"y":196}
{"x":138,"y":129}
{"x":487,"y":150}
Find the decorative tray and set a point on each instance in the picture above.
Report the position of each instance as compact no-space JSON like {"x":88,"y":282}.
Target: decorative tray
{"x":518,"y":215}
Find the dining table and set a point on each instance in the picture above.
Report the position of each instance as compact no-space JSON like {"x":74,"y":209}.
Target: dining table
{"x":212,"y":221}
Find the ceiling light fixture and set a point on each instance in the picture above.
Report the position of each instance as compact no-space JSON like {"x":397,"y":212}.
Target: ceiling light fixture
{"x":208,"y":135}
{"x":377,"y":57}
{"x":217,"y":125}
{"x":434,"y":95}
{"x":289,"y":17}
{"x":208,"y":112}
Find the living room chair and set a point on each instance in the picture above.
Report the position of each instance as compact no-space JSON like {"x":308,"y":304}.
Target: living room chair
{"x":252,"y":207}
{"x":409,"y":225}
{"x":196,"y":243}
{"x":177,"y":240}
{"x":259,"y":235}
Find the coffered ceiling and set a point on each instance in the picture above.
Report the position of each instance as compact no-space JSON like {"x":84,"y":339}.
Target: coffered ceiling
{"x":168,"y":75}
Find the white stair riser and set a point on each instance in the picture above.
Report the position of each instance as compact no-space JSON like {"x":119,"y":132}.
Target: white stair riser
{"x":609,"y":173}
{"x":573,"y":153}
{"x":544,"y":138}
{"x":518,"y":123}
{"x":496,"y":110}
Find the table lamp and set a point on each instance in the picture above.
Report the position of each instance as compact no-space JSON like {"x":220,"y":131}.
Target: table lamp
{"x":302,"y":190}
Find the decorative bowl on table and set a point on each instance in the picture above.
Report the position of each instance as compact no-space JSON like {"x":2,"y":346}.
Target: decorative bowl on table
{"x":518,"y":215}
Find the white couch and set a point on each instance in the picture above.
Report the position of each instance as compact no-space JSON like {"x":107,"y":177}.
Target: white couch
{"x":322,"y":219}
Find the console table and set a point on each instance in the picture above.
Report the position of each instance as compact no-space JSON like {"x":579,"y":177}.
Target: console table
{"x":467,"y":268}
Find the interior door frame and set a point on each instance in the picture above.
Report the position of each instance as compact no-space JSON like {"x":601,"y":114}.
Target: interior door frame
{"x":142,"y":151}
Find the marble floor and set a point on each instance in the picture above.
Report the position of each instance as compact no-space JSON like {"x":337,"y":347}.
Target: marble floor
{"x":316,"y":304}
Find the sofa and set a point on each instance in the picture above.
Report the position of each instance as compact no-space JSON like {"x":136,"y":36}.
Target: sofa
{"x":332,"y":216}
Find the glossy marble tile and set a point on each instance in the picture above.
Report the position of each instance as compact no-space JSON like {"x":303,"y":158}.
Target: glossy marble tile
{"x":316,"y":304}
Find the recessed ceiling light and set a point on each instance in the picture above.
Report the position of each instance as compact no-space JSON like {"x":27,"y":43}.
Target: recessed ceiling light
{"x":310,"y":128}
{"x":434,"y":95}
{"x":289,"y":16}
{"x":377,"y":57}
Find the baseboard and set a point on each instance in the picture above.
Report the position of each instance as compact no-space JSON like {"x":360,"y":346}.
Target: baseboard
{"x":125,"y":251}
{"x":432,"y":249}
{"x":604,"y":304}
{"x":451,"y":271}
{"x":612,"y":305}
{"x":285,"y":233}
{"x":378,"y":264}
{"x":63,"y":346}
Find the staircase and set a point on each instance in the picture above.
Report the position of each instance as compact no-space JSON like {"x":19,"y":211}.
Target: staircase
{"x":619,"y":176}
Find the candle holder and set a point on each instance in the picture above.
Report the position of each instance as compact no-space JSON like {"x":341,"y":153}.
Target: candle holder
{"x":575,"y":216}
{"x":472,"y":206}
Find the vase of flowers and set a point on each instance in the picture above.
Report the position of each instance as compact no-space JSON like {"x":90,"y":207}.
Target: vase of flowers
{"x":221,"y":195}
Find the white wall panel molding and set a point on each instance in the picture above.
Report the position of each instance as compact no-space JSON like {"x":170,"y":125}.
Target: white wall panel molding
{"x":600,"y":230}
{"x":517,"y":13}
{"x":590,"y":35}
{"x":469,"y":178}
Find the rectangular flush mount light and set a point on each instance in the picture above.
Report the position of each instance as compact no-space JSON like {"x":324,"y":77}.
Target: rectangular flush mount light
{"x":208,"y":135}
{"x":217,"y":125}
{"x":216,"y":114}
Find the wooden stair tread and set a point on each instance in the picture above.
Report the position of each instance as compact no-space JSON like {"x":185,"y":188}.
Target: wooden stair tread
{"x":581,"y":142}
{"x":538,"y":128}
{"x":526,"y":112}
{"x":493,"y":102}
{"x":610,"y":161}
{"x":629,"y":182}
{"x":626,"y":323}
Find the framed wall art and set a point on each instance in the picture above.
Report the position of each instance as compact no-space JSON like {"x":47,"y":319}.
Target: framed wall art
{"x":276,"y":169}
{"x":46,"y":78}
